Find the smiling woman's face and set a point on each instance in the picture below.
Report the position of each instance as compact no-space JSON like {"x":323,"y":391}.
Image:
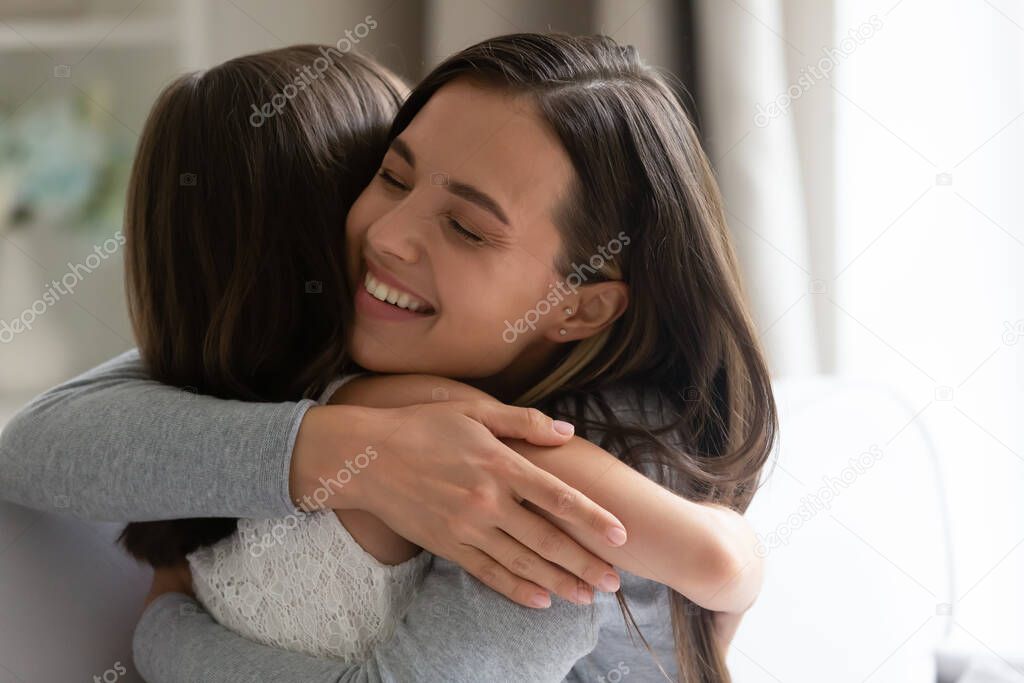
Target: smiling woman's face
{"x":459,"y":225}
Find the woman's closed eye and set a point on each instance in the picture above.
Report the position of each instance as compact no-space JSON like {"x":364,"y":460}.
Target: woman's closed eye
{"x":463,"y":233}
{"x":391,"y":180}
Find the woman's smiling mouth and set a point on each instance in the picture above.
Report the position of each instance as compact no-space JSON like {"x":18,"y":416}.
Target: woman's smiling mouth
{"x":388,"y":300}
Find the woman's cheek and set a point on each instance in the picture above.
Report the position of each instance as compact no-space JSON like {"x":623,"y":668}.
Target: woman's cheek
{"x":362,"y":213}
{"x":356,"y":225}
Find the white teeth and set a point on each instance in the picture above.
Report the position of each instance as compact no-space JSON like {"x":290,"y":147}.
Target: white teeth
{"x":393,"y":296}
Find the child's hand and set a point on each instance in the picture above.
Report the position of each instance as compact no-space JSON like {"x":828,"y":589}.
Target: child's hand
{"x":176,"y":579}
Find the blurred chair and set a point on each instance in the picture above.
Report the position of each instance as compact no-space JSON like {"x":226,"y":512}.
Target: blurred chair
{"x":853,"y":524}
{"x":70,"y":599}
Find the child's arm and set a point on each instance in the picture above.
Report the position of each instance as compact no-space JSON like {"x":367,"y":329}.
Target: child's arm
{"x":704,"y":551}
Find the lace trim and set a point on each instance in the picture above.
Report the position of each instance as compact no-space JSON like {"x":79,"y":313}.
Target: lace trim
{"x":302,"y":583}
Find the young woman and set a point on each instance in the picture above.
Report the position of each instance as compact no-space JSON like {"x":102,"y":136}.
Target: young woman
{"x":616,"y":160}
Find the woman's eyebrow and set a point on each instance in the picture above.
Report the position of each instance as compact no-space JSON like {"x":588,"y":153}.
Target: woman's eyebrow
{"x":478,"y":197}
{"x":399,"y":147}
{"x":459,"y":189}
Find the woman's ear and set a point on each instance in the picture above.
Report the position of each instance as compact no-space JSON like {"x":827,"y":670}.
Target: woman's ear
{"x":594,"y":308}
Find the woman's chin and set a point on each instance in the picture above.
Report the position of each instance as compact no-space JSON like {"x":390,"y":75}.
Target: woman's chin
{"x":384,"y":350}
{"x":379,"y":353}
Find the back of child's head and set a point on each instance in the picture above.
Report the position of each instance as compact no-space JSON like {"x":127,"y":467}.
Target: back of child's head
{"x":235,"y":219}
{"x":235,"y":227}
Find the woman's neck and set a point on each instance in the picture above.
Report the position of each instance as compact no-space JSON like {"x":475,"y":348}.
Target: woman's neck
{"x":529,"y":368}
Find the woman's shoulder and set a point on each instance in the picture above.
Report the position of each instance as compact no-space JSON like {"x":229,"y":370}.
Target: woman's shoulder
{"x":627,"y":403}
{"x":624,"y":417}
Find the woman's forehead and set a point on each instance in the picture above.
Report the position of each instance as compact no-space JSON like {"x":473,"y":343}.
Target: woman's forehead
{"x":494,"y":141}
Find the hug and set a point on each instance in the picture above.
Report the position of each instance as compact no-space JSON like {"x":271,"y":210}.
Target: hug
{"x":454,"y":382}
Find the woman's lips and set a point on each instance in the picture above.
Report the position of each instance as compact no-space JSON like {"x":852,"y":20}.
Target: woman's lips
{"x":371,"y":306}
{"x":392,"y":283}
{"x":382,"y":296}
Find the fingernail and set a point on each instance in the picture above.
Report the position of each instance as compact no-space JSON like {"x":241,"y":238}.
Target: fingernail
{"x":540,"y":600}
{"x":609,"y":583}
{"x":563,"y":427}
{"x":617,"y":536}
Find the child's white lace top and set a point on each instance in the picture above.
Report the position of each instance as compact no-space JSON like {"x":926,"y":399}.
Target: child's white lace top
{"x":302,"y":583}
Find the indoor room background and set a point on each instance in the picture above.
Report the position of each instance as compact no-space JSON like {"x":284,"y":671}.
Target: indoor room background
{"x":868,"y":152}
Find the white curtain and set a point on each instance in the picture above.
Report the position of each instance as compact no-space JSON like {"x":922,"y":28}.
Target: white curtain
{"x":744,"y":57}
{"x":877,"y":211}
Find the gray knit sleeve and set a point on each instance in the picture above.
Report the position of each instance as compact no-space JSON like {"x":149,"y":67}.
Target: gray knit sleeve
{"x":114,"y":445}
{"x":456,"y":630}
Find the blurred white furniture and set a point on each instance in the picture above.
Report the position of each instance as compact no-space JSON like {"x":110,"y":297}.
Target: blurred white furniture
{"x":853,"y":522}
{"x":857,"y":591}
{"x":69,"y":599}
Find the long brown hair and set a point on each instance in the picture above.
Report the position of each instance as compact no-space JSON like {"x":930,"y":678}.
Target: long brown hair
{"x":686,"y":336}
{"x":235,"y":229}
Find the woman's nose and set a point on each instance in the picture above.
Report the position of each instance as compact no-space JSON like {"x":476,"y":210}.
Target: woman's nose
{"x":397,"y":234}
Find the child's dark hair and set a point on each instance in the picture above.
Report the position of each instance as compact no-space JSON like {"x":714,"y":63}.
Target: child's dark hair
{"x":235,"y":228}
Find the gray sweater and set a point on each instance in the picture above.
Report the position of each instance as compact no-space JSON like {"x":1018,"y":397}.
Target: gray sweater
{"x":124,"y":447}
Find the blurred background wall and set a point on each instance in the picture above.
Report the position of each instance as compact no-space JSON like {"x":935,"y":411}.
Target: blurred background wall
{"x":867,"y":151}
